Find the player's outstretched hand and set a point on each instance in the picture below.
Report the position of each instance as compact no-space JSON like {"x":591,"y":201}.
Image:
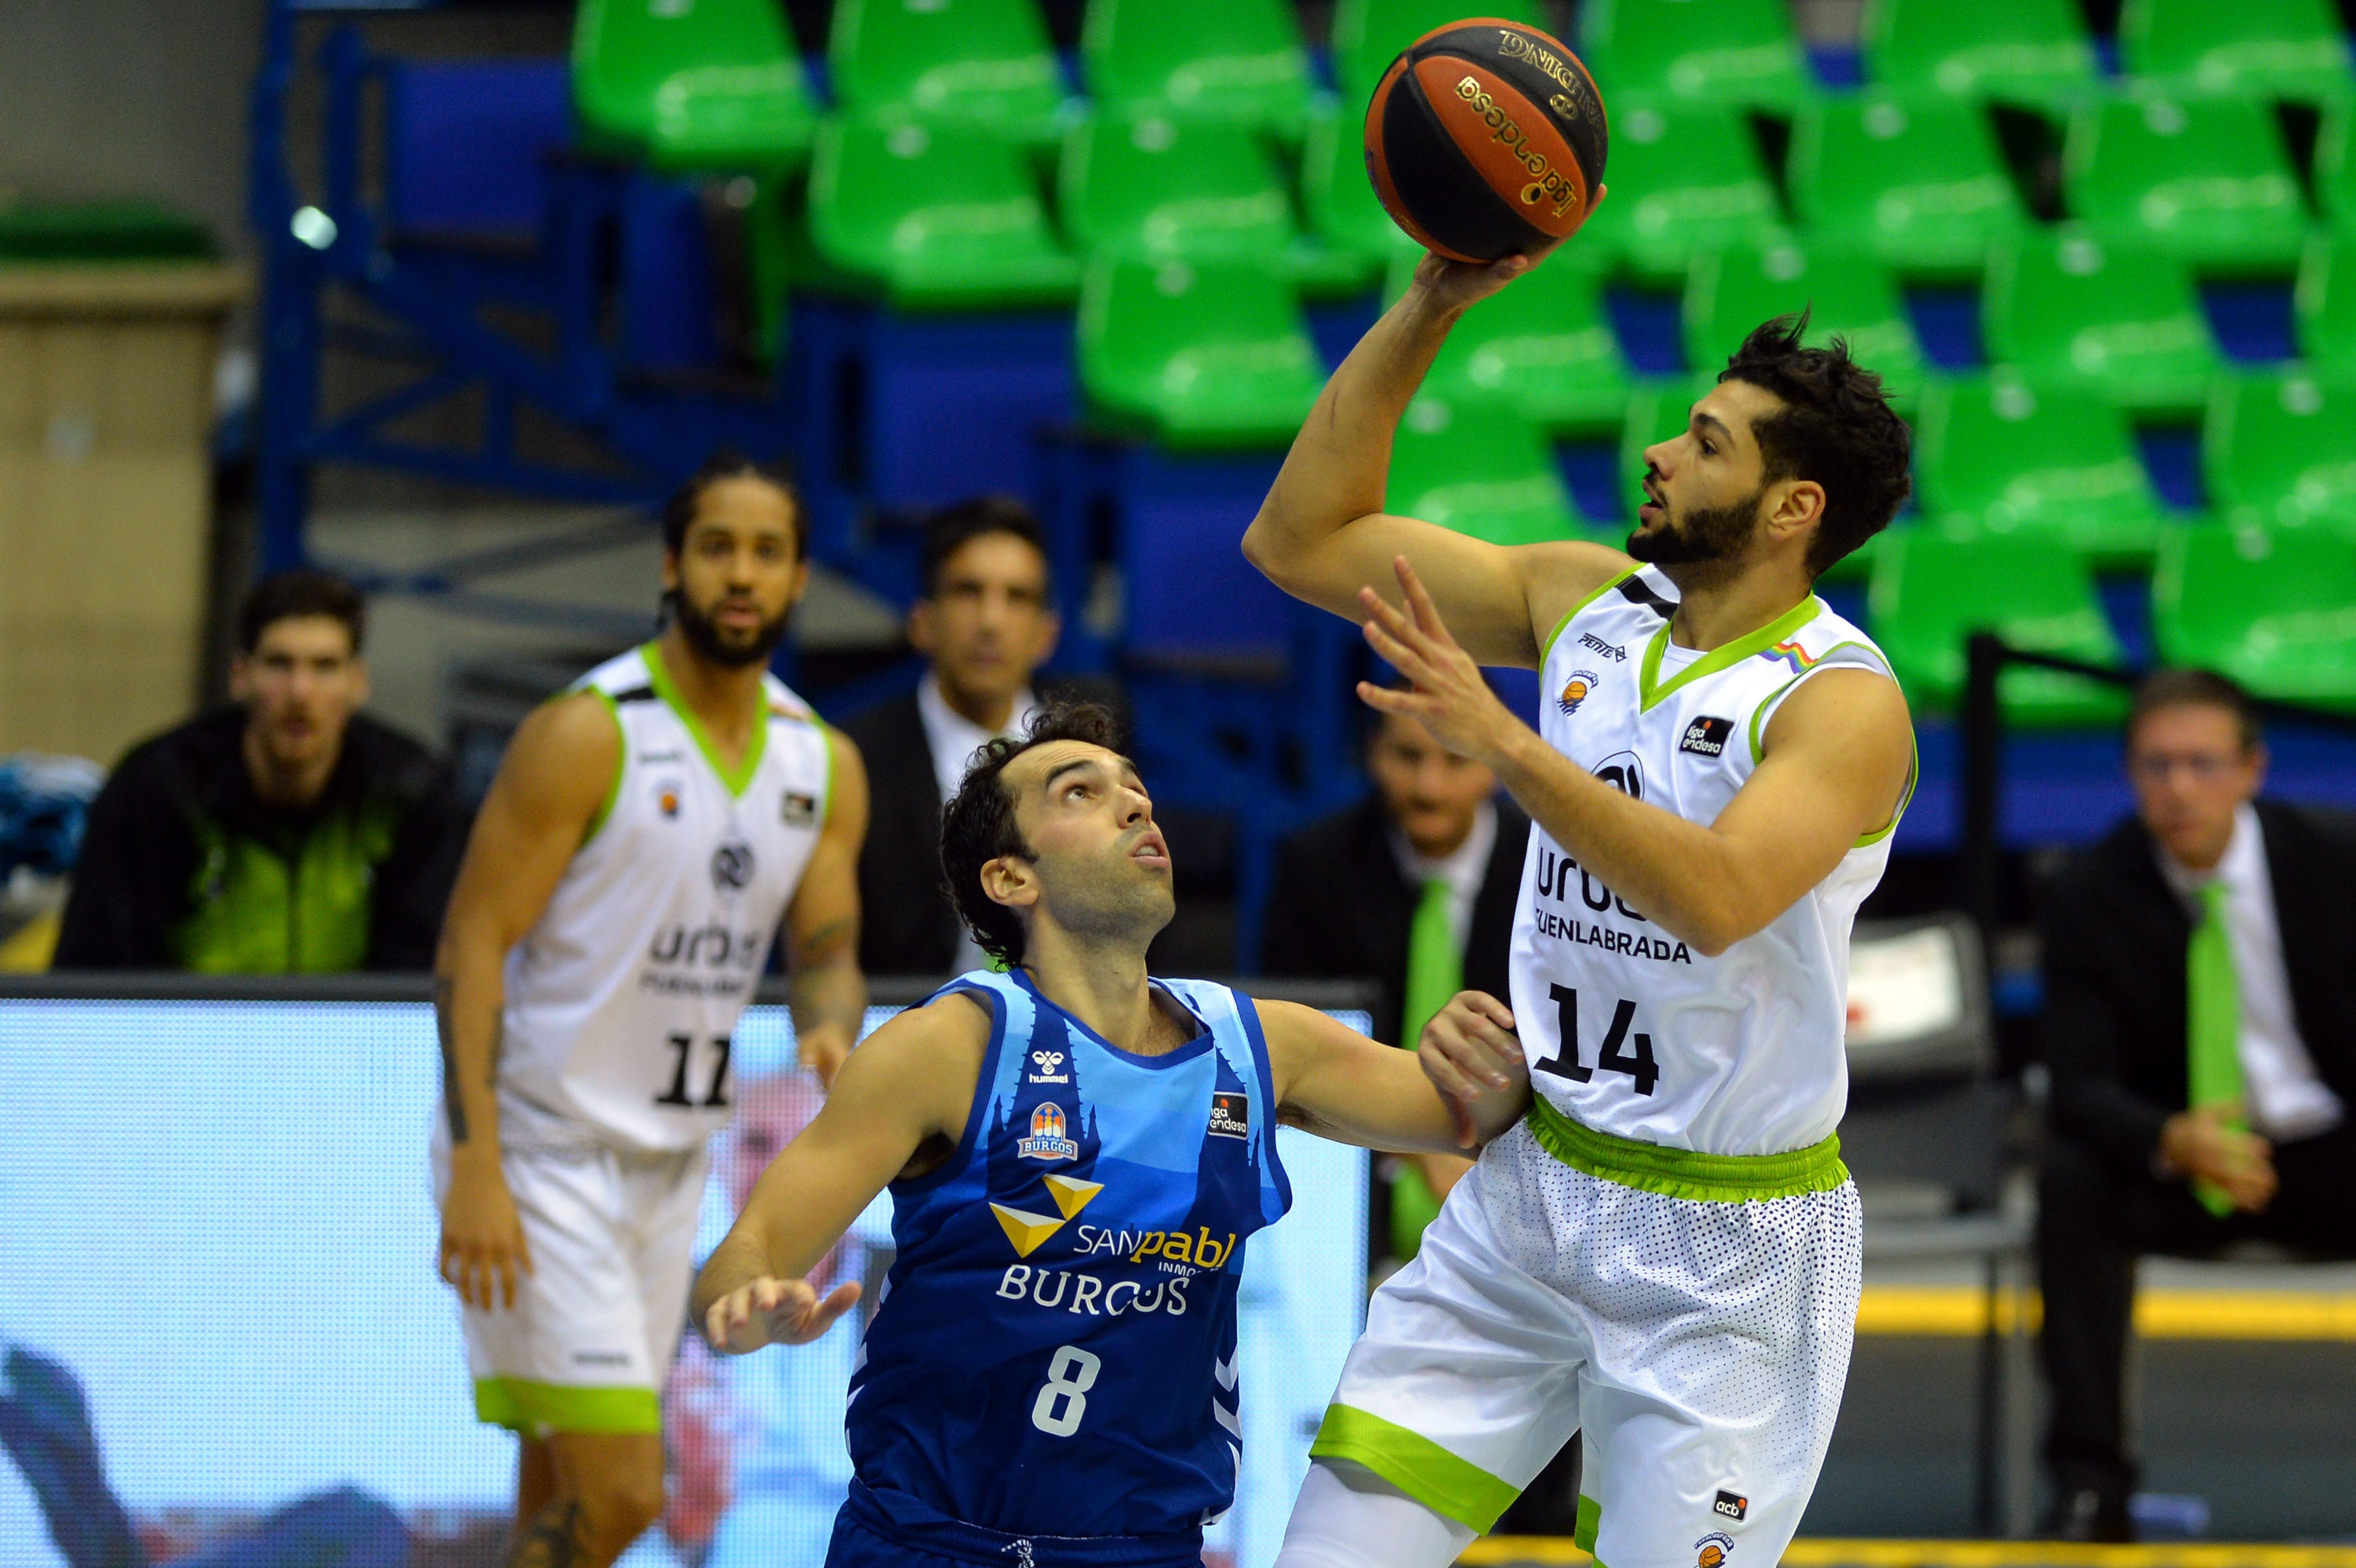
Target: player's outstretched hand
{"x":1470,"y":1053}
{"x":773,"y":1312}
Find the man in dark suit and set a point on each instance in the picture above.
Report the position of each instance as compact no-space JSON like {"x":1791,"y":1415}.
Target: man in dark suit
{"x":984,"y":623}
{"x":2201,"y":1029}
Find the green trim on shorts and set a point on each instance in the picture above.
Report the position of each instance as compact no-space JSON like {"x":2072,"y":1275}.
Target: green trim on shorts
{"x":533,"y":1408}
{"x":1680,"y":1172}
{"x":1590,"y":1520}
{"x":1415,"y":1464}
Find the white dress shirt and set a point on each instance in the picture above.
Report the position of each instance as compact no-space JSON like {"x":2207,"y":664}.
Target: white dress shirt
{"x":2286,"y":1100}
{"x":953,"y":738}
{"x":1463,"y":869}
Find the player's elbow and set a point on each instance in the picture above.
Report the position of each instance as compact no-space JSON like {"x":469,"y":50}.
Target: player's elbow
{"x":1264,"y":548}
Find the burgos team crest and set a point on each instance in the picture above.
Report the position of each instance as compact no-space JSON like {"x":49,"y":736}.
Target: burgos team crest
{"x":1574,"y":691}
{"x":1048,"y":1139}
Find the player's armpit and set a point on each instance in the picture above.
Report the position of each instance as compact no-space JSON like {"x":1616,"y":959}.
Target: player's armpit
{"x":1336,"y":1083}
{"x":908,"y":1088}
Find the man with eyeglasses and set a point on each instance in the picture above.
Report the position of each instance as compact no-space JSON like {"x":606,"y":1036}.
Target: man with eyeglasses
{"x":2200,"y":1028}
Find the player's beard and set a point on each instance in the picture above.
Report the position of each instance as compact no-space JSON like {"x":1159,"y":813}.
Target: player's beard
{"x":704,"y":635}
{"x":1705,"y":536}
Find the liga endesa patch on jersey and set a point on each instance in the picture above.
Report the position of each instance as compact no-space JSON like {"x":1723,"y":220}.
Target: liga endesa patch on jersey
{"x":1230,"y":1115}
{"x":1706,"y":736}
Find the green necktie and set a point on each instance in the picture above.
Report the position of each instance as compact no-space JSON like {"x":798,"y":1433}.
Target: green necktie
{"x":1435,"y":972}
{"x":2212,"y":997}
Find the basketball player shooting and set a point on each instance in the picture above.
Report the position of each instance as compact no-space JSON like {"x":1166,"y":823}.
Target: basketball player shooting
{"x":647,"y":833}
{"x":1664,"y":1255}
{"x":1077,"y":1155}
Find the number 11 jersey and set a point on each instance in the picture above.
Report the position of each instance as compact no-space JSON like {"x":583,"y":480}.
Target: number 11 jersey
{"x":1629,"y":1031}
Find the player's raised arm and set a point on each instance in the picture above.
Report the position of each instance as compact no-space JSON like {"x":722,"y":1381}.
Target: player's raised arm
{"x":828,"y":992}
{"x":1338,"y":1084}
{"x":897,"y":1106}
{"x":550,"y":787}
{"x":1322,"y":534}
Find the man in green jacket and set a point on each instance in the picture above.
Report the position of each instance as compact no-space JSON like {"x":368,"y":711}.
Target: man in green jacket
{"x":286,"y":834}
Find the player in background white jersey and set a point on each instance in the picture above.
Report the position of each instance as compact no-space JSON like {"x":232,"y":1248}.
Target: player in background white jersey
{"x":1654,"y":1257}
{"x":645,"y":835}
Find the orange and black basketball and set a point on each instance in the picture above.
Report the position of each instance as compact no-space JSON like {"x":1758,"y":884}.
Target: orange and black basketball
{"x":1486,"y":138}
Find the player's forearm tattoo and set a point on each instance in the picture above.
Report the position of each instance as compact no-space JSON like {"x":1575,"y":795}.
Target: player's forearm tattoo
{"x":826,"y":987}
{"x":554,"y":1538}
{"x":453,"y":1103}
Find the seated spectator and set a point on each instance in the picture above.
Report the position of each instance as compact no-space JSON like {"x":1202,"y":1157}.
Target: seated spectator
{"x":286,"y":834}
{"x":2201,"y":1029}
{"x":984,"y":624}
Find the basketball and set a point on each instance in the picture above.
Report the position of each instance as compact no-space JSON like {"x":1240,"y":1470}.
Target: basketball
{"x":1486,"y":138}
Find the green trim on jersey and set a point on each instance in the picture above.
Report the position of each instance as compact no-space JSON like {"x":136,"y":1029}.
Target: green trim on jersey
{"x":736,"y":779}
{"x":1718,"y":658}
{"x":534,"y":1408}
{"x":1913,"y":777}
{"x":1599,"y":593}
{"x":826,"y":744}
{"x":621,"y":760}
{"x":1417,"y":1465}
{"x":1589,"y":1520}
{"x":1913,"y":768}
{"x":1681,"y":1173}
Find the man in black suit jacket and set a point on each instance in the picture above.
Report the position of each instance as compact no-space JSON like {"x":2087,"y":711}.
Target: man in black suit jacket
{"x":984,"y":624}
{"x":2132,"y":1164}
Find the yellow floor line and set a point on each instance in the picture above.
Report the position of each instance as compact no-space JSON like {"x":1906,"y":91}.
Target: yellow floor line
{"x":2159,"y":1313}
{"x":1498,"y":1552}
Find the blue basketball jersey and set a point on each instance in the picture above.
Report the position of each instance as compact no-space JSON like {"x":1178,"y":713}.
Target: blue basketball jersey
{"x":1055,"y":1350}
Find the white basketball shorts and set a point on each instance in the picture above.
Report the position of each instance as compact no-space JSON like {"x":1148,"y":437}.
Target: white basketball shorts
{"x":1690,"y":1315}
{"x":595,"y":1324}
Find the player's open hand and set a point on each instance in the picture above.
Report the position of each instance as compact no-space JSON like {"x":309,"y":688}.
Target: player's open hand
{"x":773,"y":1312}
{"x":482,"y":1249}
{"x":1455,"y":285}
{"x":1447,"y":694}
{"x":1472,"y":1055}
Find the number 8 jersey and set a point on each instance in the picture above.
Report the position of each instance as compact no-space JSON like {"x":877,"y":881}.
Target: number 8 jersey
{"x":622,"y":1000}
{"x":1628,"y":1030}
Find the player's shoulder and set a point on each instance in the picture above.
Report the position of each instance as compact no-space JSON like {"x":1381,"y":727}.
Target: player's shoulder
{"x":787,"y":706}
{"x":939,"y":1045}
{"x":1567,"y":576}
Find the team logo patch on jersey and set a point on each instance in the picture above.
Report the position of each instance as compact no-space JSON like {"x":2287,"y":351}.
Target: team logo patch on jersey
{"x":1712,"y":1549}
{"x":1624,"y":773}
{"x":732,"y":867}
{"x":1706,"y":736}
{"x":797,"y":810}
{"x":1576,"y":690}
{"x":1048,"y":1139}
{"x":1046,"y":1068}
{"x":1230,"y":1115}
{"x":1026,"y":1231}
{"x":1730,"y":1505}
{"x":666,"y":797}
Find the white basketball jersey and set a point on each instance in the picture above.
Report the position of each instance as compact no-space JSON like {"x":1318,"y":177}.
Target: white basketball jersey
{"x":622,"y":1000}
{"x":1628,"y":1030}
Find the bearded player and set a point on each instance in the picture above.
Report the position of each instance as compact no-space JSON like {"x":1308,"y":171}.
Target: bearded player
{"x":644,"y":836}
{"x":1665,"y":1256}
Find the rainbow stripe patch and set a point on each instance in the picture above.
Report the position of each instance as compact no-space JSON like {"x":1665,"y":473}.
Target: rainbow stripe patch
{"x":1792,"y":654}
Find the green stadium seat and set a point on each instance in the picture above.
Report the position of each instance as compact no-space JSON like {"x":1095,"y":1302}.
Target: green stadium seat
{"x":981,"y":63}
{"x":2207,"y":179}
{"x":2052,"y":462}
{"x":1718,"y":51}
{"x":2027,"y":51}
{"x":934,"y":218}
{"x":2282,"y":448}
{"x":2273,"y":607}
{"x":1144,"y":180}
{"x":2066,"y":305}
{"x":713,"y":86}
{"x":1351,"y":239}
{"x":1934,"y":585}
{"x":2335,"y":164}
{"x":1482,"y":469}
{"x":1684,"y":178}
{"x":1730,"y":292}
{"x":1201,"y":356}
{"x":1239,"y":59}
{"x":1542,"y":348}
{"x":2268,"y":49}
{"x":1369,"y":34}
{"x":2325,"y":301}
{"x":1917,"y":182}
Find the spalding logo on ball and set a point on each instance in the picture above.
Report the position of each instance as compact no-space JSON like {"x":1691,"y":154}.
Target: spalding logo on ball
{"x":1486,"y":139}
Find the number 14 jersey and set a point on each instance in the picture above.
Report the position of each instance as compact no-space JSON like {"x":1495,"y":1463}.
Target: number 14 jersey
{"x":1628,"y":1030}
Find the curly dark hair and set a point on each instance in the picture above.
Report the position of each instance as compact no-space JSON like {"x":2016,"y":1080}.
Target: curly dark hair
{"x":1836,"y":427}
{"x":727,"y":463}
{"x":978,"y":825}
